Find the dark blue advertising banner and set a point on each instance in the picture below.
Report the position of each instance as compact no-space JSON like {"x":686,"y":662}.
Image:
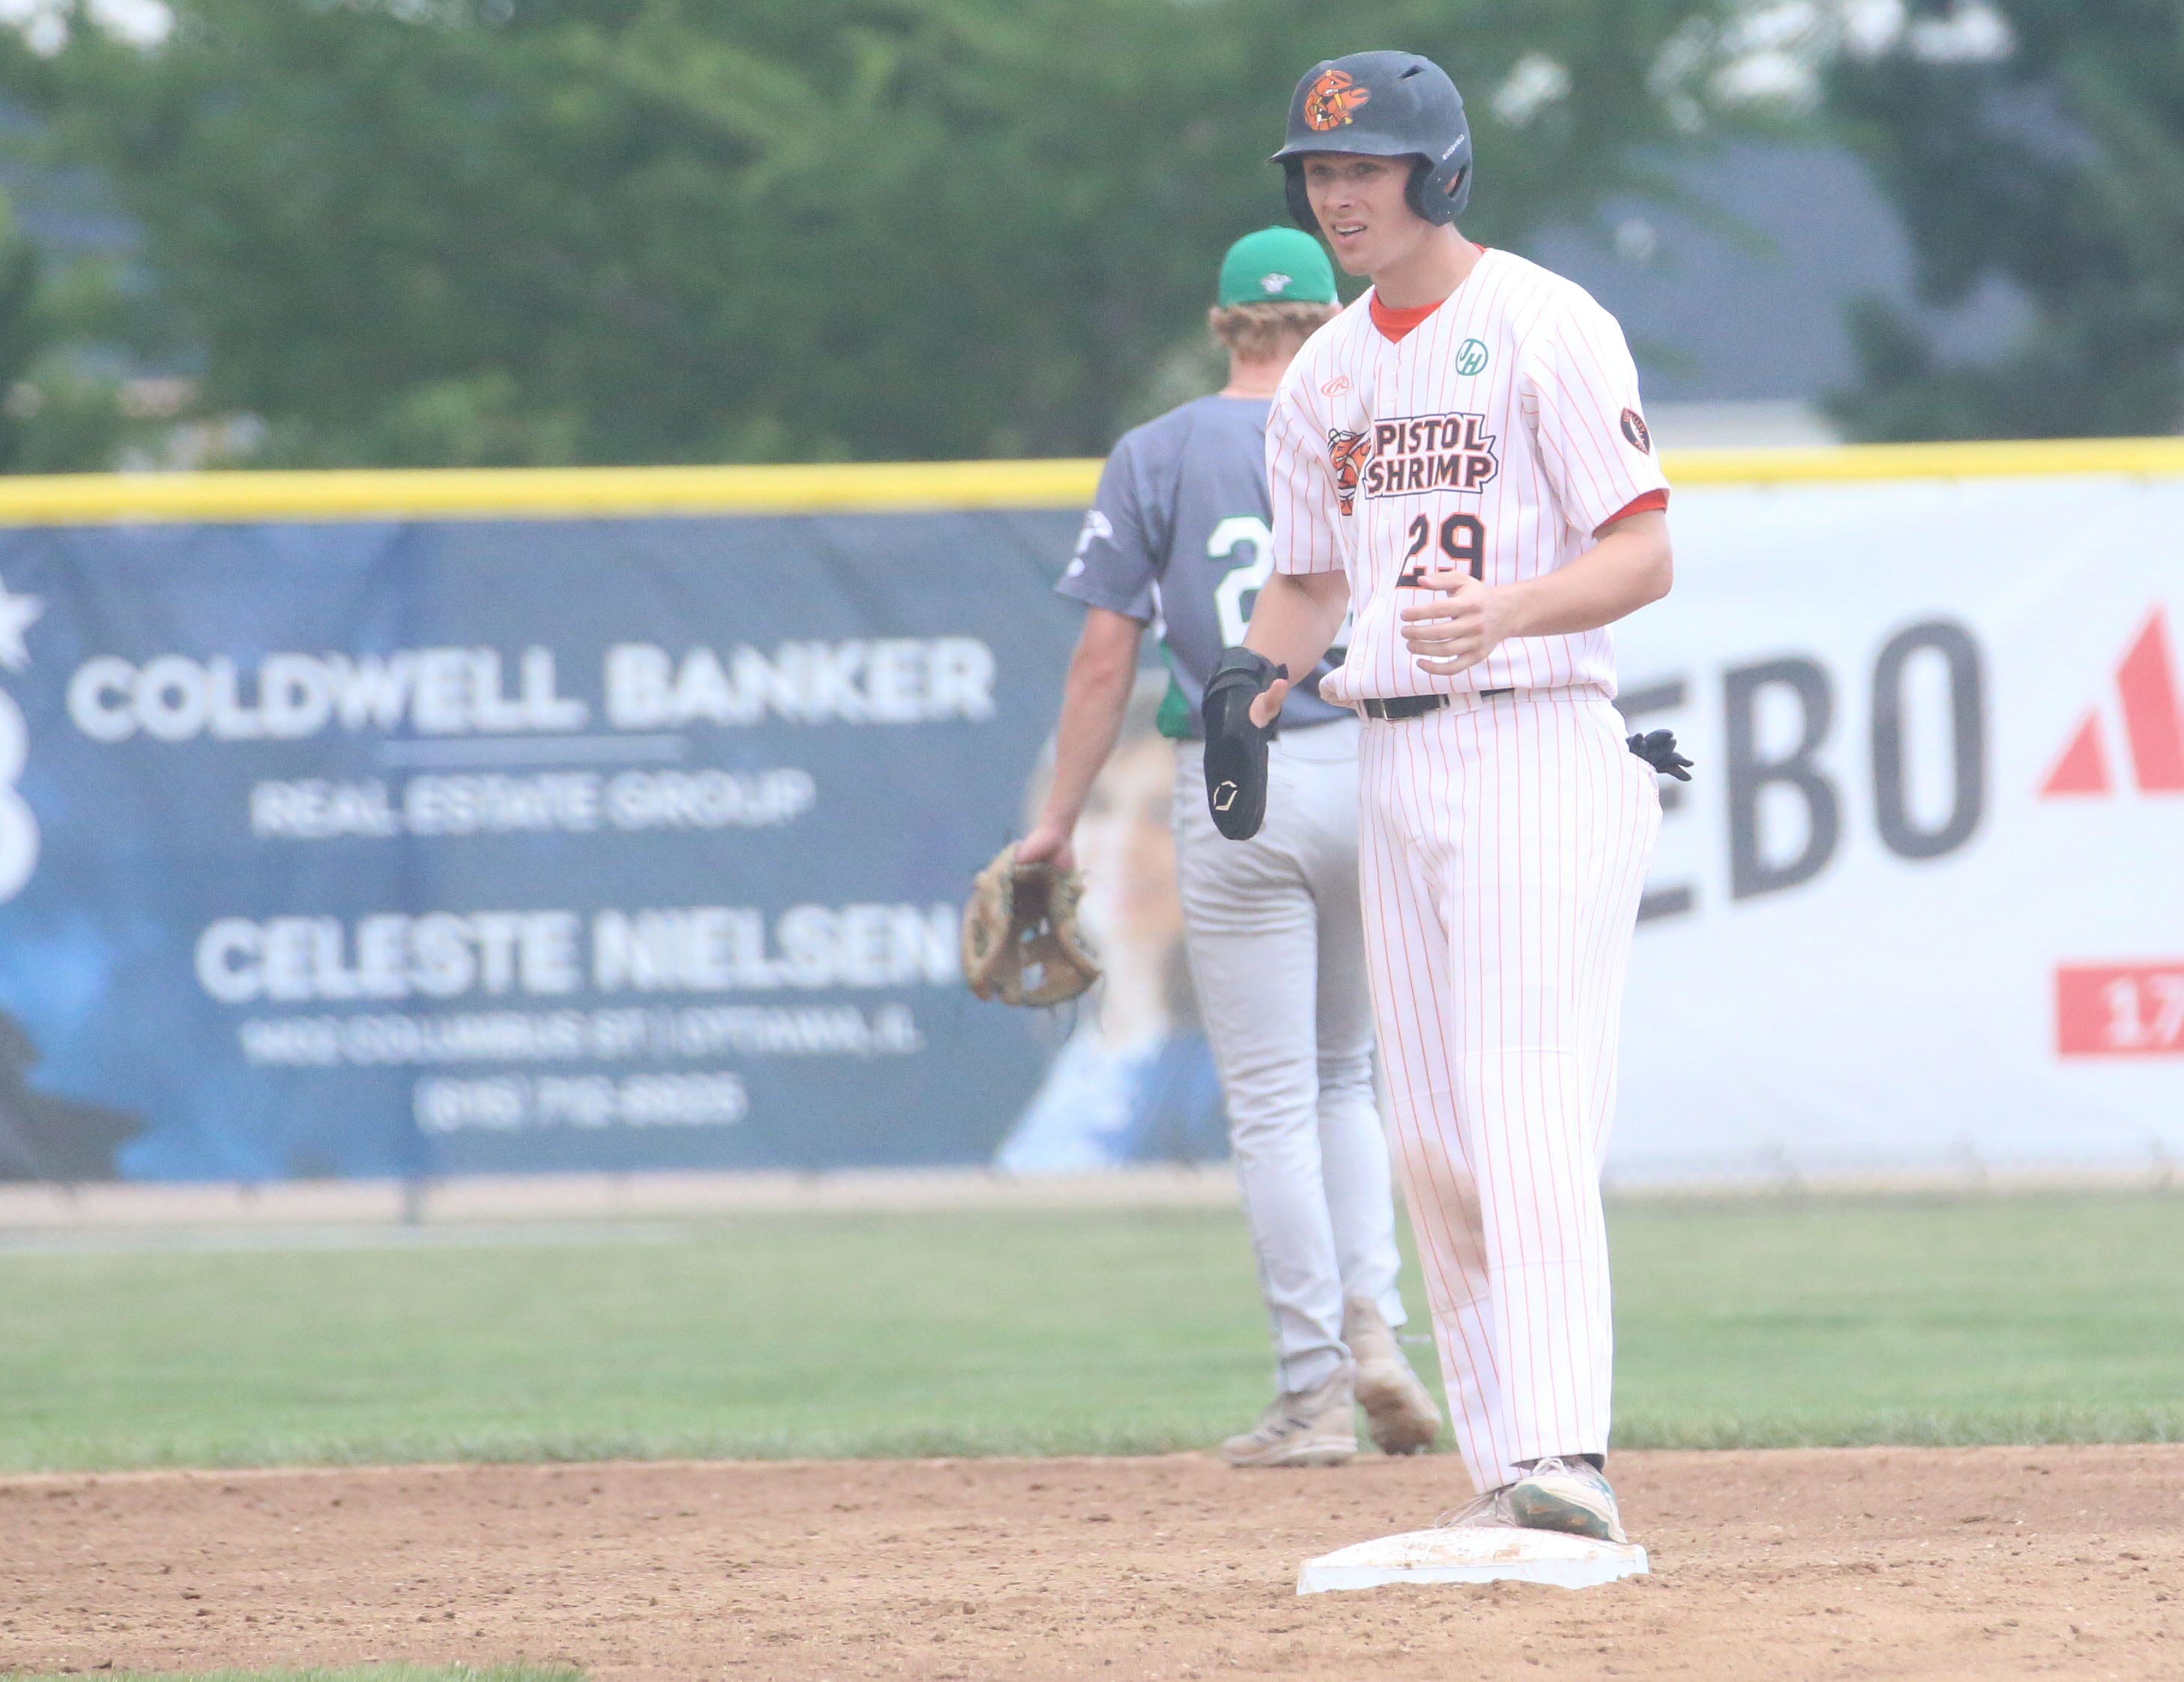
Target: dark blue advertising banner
{"x":475,"y":845}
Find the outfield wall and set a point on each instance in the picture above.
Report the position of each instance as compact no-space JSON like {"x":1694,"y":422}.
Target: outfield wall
{"x":442,"y":823}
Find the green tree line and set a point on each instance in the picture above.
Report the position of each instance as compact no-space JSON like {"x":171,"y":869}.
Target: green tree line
{"x":454,"y":231}
{"x":2053,"y":163}
{"x":627,"y":230}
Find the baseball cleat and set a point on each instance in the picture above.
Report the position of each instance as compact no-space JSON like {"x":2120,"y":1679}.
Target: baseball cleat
{"x":1398,"y":1408}
{"x":1571,"y":1495}
{"x":1492,"y":1508}
{"x":1316,"y":1427}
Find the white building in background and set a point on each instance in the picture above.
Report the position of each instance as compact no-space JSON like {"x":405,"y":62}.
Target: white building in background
{"x":1739,"y":333}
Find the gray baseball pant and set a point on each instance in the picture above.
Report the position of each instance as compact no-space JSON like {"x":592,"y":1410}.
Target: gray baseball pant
{"x":1277,"y":950}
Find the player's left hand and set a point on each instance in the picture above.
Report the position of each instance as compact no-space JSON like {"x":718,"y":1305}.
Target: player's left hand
{"x":1466,"y":622}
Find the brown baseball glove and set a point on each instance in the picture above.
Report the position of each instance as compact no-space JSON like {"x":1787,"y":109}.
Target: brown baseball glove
{"x":1021,"y":941}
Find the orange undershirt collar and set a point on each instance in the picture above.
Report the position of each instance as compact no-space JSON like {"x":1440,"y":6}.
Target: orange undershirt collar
{"x":1394,"y":323}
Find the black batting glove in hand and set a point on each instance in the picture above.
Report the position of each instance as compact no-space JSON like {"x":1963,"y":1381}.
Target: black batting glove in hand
{"x":1236,"y":748}
{"x":1657,"y":748}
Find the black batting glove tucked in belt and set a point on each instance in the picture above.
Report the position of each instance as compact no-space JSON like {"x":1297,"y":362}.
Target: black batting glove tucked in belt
{"x":1657,"y":748}
{"x":1236,"y":748}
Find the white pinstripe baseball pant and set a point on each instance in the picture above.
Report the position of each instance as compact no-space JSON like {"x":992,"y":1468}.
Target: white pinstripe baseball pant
{"x":1505,"y":843}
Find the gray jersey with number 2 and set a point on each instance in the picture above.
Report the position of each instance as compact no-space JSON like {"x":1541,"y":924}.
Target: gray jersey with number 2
{"x":1179,"y":533}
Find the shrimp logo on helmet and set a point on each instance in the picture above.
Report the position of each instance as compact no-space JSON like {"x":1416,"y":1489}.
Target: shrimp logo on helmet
{"x":1346,"y":453}
{"x":1334,"y":101}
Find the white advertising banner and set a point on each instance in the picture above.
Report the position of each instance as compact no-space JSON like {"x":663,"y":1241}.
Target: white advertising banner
{"x":1923,"y":902}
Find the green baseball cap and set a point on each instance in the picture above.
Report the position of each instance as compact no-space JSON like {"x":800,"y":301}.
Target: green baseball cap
{"x":1277,"y":265}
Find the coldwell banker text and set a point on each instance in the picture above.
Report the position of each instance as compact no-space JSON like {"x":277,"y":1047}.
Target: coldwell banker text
{"x":481,"y":691}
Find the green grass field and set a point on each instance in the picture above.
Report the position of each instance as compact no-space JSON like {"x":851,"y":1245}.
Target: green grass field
{"x":1978,"y":1319}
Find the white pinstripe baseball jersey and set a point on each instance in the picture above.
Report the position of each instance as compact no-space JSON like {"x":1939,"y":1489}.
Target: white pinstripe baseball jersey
{"x":1498,"y":436}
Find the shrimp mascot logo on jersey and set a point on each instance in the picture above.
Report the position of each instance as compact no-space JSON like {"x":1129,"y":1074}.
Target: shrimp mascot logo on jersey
{"x":1333,"y":101}
{"x":1346,"y":453}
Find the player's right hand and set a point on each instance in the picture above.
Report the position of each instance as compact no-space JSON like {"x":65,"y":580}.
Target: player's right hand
{"x":1268,"y":706}
{"x":1048,"y":843}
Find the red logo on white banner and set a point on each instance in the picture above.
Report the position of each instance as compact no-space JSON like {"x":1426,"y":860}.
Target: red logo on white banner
{"x":2153,"y":726}
{"x":2120,"y":1010}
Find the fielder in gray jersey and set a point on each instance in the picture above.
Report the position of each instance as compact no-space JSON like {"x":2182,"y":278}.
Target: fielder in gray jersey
{"x":1179,"y":537}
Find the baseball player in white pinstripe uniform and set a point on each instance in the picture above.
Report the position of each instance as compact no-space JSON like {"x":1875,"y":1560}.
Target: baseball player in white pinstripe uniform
{"x":1459,"y":462}
{"x":1177,"y":536}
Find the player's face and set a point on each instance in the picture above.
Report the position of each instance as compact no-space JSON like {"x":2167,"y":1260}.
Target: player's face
{"x":1361,"y":208}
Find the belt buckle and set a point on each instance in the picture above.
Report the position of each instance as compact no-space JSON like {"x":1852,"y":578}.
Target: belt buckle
{"x":1397,"y":708}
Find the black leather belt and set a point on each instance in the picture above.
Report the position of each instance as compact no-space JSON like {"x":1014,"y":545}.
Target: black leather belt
{"x":1415,"y":706}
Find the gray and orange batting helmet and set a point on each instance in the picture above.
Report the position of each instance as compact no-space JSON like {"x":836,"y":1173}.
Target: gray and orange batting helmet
{"x":1385,"y":105}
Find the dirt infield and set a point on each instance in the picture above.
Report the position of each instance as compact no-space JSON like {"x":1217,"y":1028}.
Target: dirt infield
{"x":1898,"y":1563}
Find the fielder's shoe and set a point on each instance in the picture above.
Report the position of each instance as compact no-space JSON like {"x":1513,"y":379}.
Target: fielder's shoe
{"x":1492,"y":1508}
{"x":1399,"y":1409}
{"x":1317,"y":1426}
{"x":1567,"y":1495}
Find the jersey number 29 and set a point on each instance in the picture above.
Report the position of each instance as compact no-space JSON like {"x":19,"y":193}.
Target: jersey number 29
{"x":1462,"y":540}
